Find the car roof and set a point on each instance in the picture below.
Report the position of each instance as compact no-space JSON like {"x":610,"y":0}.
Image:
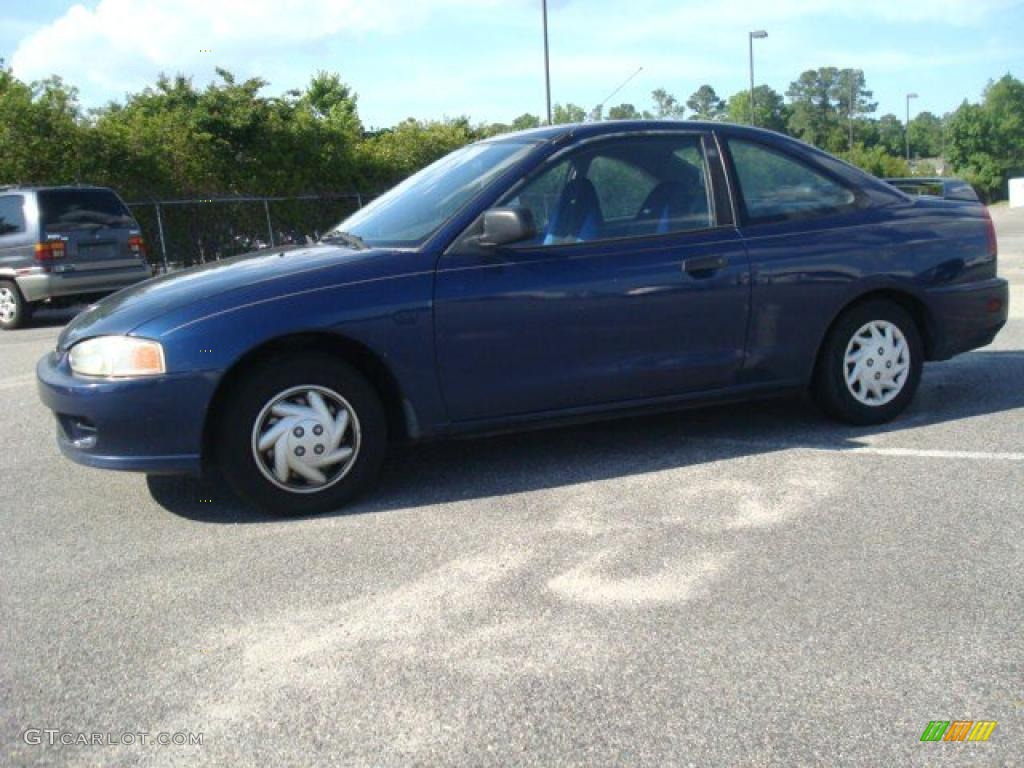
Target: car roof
{"x":605,"y":127}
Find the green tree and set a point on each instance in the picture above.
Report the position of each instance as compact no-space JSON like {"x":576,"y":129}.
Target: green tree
{"x":526,"y":121}
{"x":926,"y":135}
{"x":822,"y":101}
{"x":624,"y":112}
{"x":813,"y":116}
{"x":666,"y":106}
{"x":985,"y":141}
{"x":568,"y":113}
{"x":891,"y":134}
{"x":705,"y":104}
{"x":40,"y":131}
{"x":853,"y":101}
{"x":1004,"y":102}
{"x":770,"y":109}
{"x":397,"y":152}
{"x":877,"y":161}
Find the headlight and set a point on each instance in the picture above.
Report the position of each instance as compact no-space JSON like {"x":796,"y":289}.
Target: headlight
{"x":117,"y":356}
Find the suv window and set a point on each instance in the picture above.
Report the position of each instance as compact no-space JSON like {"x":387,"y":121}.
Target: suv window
{"x":635,"y":187}
{"x":776,"y":187}
{"x":65,"y":210}
{"x":12,"y":214}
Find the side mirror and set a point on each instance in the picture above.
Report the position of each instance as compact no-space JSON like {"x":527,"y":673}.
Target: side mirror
{"x":503,"y":226}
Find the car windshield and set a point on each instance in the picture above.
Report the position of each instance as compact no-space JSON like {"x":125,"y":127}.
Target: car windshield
{"x":414,"y":210}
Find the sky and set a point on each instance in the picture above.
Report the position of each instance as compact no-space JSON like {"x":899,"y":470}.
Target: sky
{"x":484,"y":58}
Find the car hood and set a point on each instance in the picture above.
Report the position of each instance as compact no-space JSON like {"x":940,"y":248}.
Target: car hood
{"x":127,"y":309}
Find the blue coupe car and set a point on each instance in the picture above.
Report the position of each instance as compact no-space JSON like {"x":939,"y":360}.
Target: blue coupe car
{"x":564,"y":273}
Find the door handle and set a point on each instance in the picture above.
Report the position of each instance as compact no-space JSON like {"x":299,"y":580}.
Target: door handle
{"x":703,"y":266}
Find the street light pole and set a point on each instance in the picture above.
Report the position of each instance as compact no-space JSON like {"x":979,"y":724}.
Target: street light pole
{"x":852,"y":97}
{"x":547,"y":59}
{"x":909,"y":97}
{"x":759,"y":34}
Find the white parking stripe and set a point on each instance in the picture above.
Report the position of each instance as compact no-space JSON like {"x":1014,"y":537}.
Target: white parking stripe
{"x":871,"y":450}
{"x":933,"y":454}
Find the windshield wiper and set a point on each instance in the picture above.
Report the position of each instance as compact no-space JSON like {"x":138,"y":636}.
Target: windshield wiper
{"x":347,"y":238}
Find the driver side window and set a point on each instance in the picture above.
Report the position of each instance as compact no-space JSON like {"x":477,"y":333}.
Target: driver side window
{"x":621,"y":188}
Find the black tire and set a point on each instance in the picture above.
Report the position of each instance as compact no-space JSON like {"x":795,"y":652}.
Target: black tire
{"x":264,"y":383}
{"x":830,"y":387}
{"x":11,"y":296}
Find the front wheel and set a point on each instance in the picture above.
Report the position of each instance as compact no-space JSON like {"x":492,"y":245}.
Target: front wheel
{"x":14,"y":310}
{"x":301,"y":434}
{"x":870,"y":365}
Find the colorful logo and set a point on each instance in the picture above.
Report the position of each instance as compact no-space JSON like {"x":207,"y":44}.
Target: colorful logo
{"x":958,"y":730}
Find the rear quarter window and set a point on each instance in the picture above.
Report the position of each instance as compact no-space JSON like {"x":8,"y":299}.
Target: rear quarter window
{"x":12,"y":214}
{"x":775,"y":186}
{"x":67,"y":210}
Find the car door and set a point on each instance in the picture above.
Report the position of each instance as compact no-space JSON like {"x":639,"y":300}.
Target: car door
{"x":634,"y":288}
{"x":810,"y":235}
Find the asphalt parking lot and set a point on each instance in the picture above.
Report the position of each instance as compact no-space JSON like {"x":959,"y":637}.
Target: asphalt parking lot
{"x":749,"y":585}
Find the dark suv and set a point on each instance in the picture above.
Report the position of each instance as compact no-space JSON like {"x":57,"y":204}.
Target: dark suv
{"x":62,"y":244}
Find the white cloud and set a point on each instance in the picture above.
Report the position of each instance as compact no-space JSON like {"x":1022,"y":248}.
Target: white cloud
{"x":121,"y":44}
{"x":433,"y":57}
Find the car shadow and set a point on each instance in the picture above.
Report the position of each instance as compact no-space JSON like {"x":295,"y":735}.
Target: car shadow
{"x":52,"y":318}
{"x":979,"y":383}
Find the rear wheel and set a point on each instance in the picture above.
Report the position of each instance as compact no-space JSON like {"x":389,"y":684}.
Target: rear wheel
{"x":870,"y":365}
{"x":14,"y":310}
{"x":302,"y":434}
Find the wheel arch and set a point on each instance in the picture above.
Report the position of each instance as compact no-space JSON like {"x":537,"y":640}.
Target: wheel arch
{"x":912,"y":304}
{"x":401,"y":419}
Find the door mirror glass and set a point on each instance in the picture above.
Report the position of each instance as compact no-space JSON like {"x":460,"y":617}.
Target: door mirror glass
{"x":504,"y":226}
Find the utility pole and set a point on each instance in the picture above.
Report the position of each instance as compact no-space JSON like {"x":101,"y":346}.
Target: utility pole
{"x":759,"y":34}
{"x":547,"y":59}
{"x":852,"y":97}
{"x":909,"y":97}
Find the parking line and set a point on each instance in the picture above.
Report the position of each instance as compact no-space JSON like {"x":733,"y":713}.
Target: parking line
{"x":871,"y":450}
{"x":936,"y":454}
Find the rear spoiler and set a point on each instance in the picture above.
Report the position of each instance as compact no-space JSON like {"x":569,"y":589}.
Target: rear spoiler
{"x":947,"y":189}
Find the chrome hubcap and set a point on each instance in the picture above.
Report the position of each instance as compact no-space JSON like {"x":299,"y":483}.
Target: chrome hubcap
{"x":877,"y":363}
{"x":306,"y":439}
{"x":8,"y":305}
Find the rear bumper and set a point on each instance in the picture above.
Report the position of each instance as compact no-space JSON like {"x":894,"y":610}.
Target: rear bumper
{"x":966,"y":317}
{"x":45,"y":285}
{"x":150,"y":425}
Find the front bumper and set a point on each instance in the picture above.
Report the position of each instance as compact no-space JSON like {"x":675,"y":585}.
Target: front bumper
{"x":152,"y":425}
{"x":966,"y":317}
{"x":37,"y":286}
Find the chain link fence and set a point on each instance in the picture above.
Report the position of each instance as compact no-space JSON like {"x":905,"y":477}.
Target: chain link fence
{"x":181,"y":233}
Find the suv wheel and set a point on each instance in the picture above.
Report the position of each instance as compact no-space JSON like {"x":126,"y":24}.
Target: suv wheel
{"x":14,"y":310}
{"x":302,"y":434}
{"x":870,"y":365}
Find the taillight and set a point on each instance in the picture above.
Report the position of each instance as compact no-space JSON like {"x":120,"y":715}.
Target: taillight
{"x":993,"y":244}
{"x":137,"y":245}
{"x":50,"y":250}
